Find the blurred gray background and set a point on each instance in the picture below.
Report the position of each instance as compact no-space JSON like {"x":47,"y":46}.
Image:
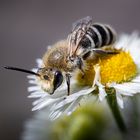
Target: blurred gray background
{"x":26,"y":28}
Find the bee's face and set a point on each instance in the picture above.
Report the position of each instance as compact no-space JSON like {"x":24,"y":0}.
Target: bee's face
{"x":50,"y":79}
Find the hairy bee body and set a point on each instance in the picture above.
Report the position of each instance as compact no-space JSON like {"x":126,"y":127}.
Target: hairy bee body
{"x":64,"y":57}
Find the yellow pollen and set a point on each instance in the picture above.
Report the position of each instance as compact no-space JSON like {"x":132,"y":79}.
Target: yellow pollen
{"x":113,"y":68}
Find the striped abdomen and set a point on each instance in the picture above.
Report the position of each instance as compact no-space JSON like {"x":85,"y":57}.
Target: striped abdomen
{"x":98,"y":35}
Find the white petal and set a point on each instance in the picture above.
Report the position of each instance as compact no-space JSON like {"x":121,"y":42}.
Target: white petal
{"x":40,"y":95}
{"x":32,"y":81}
{"x":72,"y":106}
{"x":97,"y":74}
{"x":34,"y":88}
{"x":43,"y":103}
{"x":102,"y":93}
{"x":40,"y":100}
{"x":73,"y":97}
{"x":136,"y":80}
{"x":34,"y":69}
{"x":128,"y":88}
{"x":31,"y":76}
{"x":39,"y":62}
{"x":54,"y":115}
{"x":119,"y":99}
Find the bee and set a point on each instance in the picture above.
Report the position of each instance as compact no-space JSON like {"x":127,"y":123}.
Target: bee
{"x":66,"y":56}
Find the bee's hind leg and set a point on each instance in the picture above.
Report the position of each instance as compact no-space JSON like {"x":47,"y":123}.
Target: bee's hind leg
{"x":101,"y":51}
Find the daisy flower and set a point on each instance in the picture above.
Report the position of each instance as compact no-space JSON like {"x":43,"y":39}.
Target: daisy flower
{"x":119,"y":72}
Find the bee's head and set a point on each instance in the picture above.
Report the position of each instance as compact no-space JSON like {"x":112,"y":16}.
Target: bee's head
{"x":49,"y":79}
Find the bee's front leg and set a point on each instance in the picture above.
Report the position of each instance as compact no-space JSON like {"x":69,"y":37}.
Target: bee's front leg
{"x":68,"y":76}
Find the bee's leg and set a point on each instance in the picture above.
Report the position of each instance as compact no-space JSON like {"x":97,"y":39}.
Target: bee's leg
{"x":100,"y":51}
{"x":68,"y":76}
{"x":86,"y":55}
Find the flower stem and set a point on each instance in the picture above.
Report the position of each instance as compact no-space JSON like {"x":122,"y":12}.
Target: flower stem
{"x":135,"y":105}
{"x":112,"y":102}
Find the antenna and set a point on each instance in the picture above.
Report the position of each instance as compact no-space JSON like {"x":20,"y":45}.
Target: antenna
{"x":21,"y":70}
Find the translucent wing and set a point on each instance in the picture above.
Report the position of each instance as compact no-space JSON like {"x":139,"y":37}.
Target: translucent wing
{"x":84,"y":21}
{"x":79,"y":29}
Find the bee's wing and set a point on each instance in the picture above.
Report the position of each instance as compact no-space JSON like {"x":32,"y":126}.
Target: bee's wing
{"x":80,"y":22}
{"x":79,"y":29}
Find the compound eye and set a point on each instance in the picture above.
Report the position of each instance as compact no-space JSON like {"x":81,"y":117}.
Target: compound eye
{"x":46,"y":77}
{"x":58,"y":79}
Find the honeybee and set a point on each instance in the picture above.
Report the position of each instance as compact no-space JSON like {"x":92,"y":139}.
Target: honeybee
{"x":64,"y":57}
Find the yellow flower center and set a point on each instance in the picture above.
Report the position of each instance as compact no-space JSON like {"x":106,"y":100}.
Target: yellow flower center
{"x":113,"y":68}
